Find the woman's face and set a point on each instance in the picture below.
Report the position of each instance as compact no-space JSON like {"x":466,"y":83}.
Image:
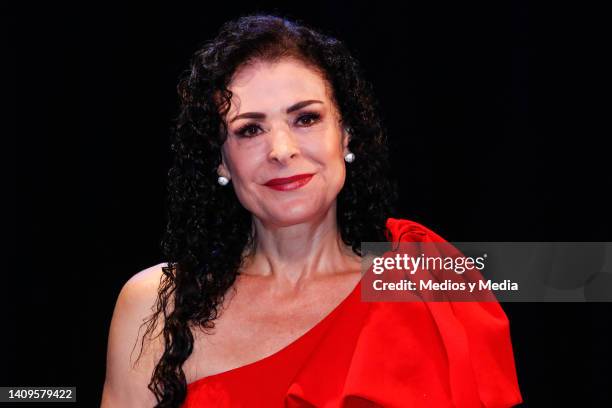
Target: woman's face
{"x":282,"y":122}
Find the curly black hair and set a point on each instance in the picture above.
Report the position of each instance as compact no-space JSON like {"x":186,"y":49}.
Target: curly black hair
{"x":209,"y":232}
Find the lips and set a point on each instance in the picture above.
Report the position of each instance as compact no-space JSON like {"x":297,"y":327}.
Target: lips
{"x":289,"y":183}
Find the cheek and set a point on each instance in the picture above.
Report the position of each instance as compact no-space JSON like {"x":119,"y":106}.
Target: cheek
{"x":327,"y":152}
{"x":242,"y":167}
{"x":340,"y":175}
{"x":241,"y":162}
{"x":334,"y":171}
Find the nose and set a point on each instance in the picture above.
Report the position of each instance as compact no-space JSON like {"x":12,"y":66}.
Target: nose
{"x":283,"y":146}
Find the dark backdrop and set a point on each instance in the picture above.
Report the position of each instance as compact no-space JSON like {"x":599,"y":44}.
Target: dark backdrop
{"x":494,"y":112}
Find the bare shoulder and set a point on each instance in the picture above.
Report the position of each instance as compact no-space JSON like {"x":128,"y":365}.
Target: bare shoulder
{"x":130,"y":361}
{"x":143,"y":285}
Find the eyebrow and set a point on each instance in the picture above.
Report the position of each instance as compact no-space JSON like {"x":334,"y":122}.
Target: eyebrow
{"x":259,"y":115}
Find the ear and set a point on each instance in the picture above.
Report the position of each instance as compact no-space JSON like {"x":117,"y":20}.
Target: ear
{"x":346,"y":137}
{"x":222,"y":169}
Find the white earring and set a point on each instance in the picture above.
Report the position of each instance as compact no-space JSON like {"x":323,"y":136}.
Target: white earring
{"x":223,"y":180}
{"x":349,"y":157}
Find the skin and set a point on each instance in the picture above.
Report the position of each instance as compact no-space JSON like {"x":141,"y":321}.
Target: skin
{"x":300,"y":269}
{"x":297,"y":233}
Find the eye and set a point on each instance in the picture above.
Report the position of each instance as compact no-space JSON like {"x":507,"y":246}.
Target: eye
{"x":308,"y":119}
{"x":248,"y":130}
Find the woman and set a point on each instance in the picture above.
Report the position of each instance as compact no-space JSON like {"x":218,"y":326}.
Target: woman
{"x":279,"y":175}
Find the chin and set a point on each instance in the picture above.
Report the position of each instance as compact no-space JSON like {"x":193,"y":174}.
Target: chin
{"x":295,"y":214}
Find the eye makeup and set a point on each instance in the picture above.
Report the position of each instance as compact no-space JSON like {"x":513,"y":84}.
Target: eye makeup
{"x":304,"y":119}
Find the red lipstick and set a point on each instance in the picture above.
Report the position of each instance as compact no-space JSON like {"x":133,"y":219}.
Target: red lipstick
{"x":289,"y":183}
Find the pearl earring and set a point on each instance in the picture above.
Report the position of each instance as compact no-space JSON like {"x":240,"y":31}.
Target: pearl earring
{"x":349,"y":157}
{"x":223,"y":180}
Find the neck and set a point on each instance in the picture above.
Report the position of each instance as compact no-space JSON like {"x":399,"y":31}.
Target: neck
{"x":291,"y":255}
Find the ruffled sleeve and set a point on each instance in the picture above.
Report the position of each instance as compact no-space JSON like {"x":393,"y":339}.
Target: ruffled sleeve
{"x":411,"y":354}
{"x":476,"y":336}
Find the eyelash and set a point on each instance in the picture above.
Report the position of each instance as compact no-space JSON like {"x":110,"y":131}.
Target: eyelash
{"x":315,"y":117}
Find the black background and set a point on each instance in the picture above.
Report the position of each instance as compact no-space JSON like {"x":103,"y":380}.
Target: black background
{"x":495,"y":111}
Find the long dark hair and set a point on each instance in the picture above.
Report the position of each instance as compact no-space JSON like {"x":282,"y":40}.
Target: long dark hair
{"x":208,"y":231}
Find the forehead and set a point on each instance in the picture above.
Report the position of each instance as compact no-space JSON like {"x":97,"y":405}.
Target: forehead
{"x":273,"y":86}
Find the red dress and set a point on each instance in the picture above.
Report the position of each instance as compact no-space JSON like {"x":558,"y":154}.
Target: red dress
{"x":381,"y":354}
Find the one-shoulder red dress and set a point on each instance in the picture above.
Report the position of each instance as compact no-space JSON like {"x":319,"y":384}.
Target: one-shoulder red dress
{"x":381,"y":354}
